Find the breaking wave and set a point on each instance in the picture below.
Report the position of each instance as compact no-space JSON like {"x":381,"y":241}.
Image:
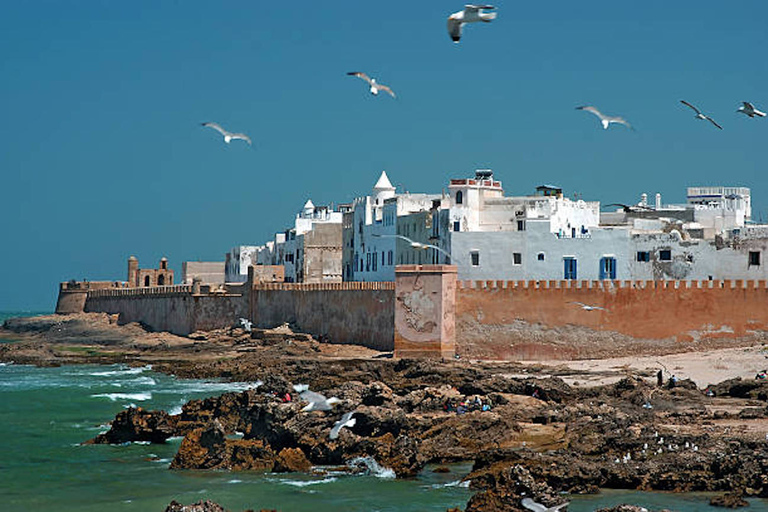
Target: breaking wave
{"x":372,"y":467}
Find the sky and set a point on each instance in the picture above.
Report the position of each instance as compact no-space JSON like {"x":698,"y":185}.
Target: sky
{"x":102,"y":154}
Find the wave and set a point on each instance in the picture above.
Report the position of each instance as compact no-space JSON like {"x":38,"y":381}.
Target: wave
{"x":125,"y":396}
{"x":372,"y":467}
{"x":455,"y":483}
{"x":121,"y":370}
{"x":305,"y":483}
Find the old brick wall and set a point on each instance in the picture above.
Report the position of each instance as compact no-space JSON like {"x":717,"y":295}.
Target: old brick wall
{"x":359,"y":313}
{"x":490,"y":313}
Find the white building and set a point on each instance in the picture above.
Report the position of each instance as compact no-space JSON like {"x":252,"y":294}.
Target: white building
{"x":237,"y":261}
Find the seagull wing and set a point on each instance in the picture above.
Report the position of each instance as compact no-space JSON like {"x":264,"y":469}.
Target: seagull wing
{"x":345,"y":421}
{"x":475,"y":8}
{"x":241,"y":136}
{"x":360,"y":74}
{"x":395,"y":236}
{"x":386,"y":88}
{"x":713,"y":122}
{"x":592,"y":110}
{"x":620,"y":120}
{"x":454,"y":28}
{"x":691,"y":106}
{"x":437,"y":249}
{"x":560,"y":507}
{"x":748,"y":105}
{"x":532,"y":505}
{"x":217,"y":127}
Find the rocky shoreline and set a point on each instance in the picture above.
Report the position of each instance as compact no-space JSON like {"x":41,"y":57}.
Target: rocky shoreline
{"x":529,"y":433}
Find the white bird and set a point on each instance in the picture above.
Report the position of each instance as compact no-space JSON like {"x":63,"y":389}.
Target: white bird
{"x":375,"y":86}
{"x":750,"y":110}
{"x":317,"y":402}
{"x":587,"y":307}
{"x":699,"y":115}
{"x":470,"y":14}
{"x":228,"y":136}
{"x":346,"y":421}
{"x":415,"y":244}
{"x":604,"y":119}
{"x":538,"y":507}
{"x":247,"y":324}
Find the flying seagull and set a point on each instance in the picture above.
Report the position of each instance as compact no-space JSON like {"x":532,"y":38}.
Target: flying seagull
{"x":750,"y":110}
{"x":587,"y":307}
{"x":317,"y":402}
{"x":414,"y":244}
{"x":247,"y":324}
{"x":631,"y":207}
{"x":538,"y":507}
{"x":346,"y":421}
{"x":605,"y":120}
{"x":375,"y":86}
{"x":228,"y":136}
{"x":699,"y":115}
{"x":470,"y":14}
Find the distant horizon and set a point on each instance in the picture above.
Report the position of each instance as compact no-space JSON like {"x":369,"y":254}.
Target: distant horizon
{"x":104,"y":155}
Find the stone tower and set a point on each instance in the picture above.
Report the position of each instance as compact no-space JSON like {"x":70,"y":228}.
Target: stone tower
{"x":133,"y":271}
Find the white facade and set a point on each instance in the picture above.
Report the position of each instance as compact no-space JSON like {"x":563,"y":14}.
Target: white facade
{"x":237,"y":262}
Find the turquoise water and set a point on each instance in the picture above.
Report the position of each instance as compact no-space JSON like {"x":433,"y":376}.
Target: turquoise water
{"x":45,"y":413}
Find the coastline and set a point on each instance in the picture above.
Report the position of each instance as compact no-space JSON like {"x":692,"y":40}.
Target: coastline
{"x":586,"y":413}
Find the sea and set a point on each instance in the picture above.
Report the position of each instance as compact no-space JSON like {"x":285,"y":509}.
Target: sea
{"x":47,"y":413}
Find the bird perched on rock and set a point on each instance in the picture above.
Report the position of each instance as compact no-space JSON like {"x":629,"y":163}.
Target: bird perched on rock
{"x":317,"y":402}
{"x":228,"y":136}
{"x":604,"y":119}
{"x":346,"y":421}
{"x":375,"y":86}
{"x":749,"y":109}
{"x":699,"y":115}
{"x":538,"y":507}
{"x":470,"y":14}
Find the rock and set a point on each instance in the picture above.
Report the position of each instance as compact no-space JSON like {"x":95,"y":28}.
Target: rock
{"x":200,"y":506}
{"x":291,"y":460}
{"x":729,"y":500}
{"x":136,"y":424}
{"x":203,"y":448}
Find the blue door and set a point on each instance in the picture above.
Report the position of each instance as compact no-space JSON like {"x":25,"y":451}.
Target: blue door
{"x":607,"y":268}
{"x":569,"y":268}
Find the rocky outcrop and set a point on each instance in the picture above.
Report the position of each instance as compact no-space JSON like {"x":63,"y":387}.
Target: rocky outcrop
{"x":200,"y":506}
{"x":136,"y":424}
{"x":729,"y":500}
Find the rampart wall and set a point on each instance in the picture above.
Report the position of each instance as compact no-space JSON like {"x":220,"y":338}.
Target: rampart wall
{"x":352,"y":312}
{"x":489,"y":312}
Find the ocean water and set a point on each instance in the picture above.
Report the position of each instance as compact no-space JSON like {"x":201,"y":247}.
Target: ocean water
{"x":45,"y":413}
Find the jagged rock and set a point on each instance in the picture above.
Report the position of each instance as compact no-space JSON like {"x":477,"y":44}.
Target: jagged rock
{"x":136,"y":424}
{"x":729,"y":500}
{"x":291,"y":460}
{"x":204,"y":448}
{"x":200,"y":506}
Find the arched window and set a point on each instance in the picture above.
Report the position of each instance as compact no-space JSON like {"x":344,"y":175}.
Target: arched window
{"x":146,"y":280}
{"x":459,"y":197}
{"x":160,"y":280}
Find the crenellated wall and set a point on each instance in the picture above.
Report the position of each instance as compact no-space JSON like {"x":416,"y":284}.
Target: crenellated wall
{"x":354,"y":312}
{"x":680,"y":311}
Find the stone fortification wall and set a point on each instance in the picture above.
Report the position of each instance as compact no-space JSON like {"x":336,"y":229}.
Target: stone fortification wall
{"x":73,"y":294}
{"x":353,"y":312}
{"x":174,"y":309}
{"x":522,"y":319}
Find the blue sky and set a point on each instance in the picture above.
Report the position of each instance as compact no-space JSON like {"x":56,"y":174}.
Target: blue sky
{"x":102,"y":154}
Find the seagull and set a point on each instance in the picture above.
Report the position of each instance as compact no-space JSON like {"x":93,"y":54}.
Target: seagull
{"x":375,"y":86}
{"x":470,"y":14}
{"x":247,"y":324}
{"x":699,"y":115}
{"x":750,"y":110}
{"x":587,"y":307}
{"x":631,"y":207}
{"x":317,"y":402}
{"x":538,"y":507}
{"x":414,"y":244}
{"x":228,"y":136}
{"x":605,"y":120}
{"x":346,"y":421}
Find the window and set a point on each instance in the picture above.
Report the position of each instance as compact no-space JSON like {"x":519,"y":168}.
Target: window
{"x":608,"y":267}
{"x":389,"y":258}
{"x":665,"y":255}
{"x":754,"y":258}
{"x":368,"y":262}
{"x":517,"y":258}
{"x":475,"y":255}
{"x":540,"y":256}
{"x":521,"y":225}
{"x":459,"y":197}
{"x":457,"y":226}
{"x":382,"y":258}
{"x":146,"y":281}
{"x":160,"y":280}
{"x":374,"y":262}
{"x":569,"y":268}
{"x":643,"y":256}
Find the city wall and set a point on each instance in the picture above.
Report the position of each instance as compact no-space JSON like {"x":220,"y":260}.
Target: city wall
{"x":353,"y":312}
{"x":495,"y":315}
